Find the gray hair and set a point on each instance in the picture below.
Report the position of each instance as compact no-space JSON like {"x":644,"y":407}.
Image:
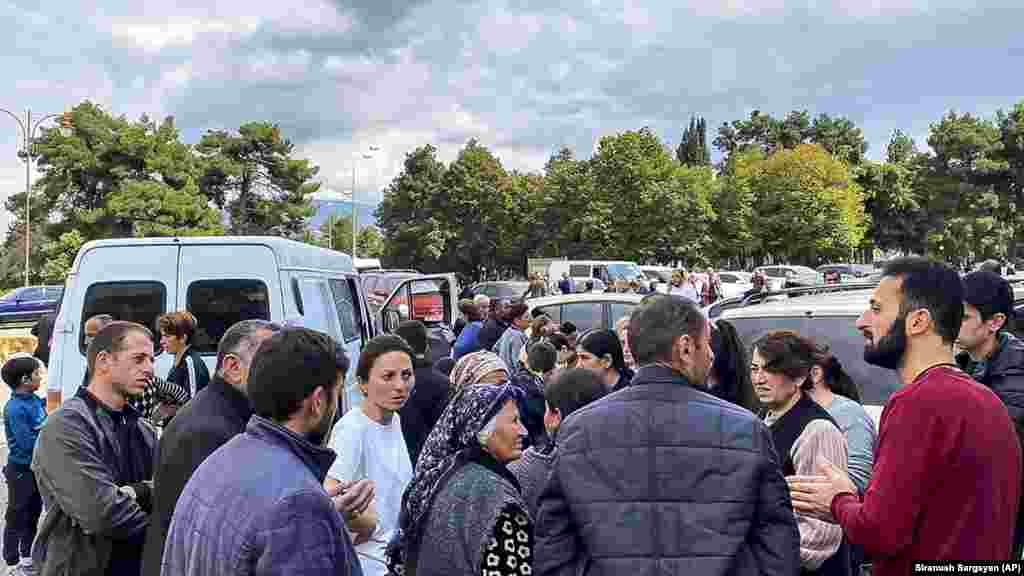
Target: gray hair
{"x":658,"y":322}
{"x":241,"y":335}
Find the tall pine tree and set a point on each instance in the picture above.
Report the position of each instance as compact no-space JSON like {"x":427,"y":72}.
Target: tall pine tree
{"x":693,"y":149}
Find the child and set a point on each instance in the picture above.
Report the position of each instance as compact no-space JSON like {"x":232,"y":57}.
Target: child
{"x":24,"y":415}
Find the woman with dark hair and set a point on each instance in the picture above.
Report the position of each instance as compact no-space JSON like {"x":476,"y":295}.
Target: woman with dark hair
{"x":834,"y":390}
{"x":469,"y":337}
{"x":370,"y":445}
{"x":514,"y":339}
{"x":804,"y":434}
{"x":462,"y":475}
{"x":601,"y":352}
{"x":176,"y":331}
{"x":729,"y":378}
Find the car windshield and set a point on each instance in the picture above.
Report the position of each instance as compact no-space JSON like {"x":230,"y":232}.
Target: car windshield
{"x":626,"y":270}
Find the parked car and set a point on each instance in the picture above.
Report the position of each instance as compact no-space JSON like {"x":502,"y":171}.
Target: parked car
{"x":29,"y":302}
{"x":791,"y":276}
{"x":501,"y":290}
{"x":587,"y":311}
{"x":659,"y":277}
{"x":735,"y":283}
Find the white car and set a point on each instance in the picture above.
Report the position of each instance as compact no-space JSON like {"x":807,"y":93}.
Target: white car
{"x":735,"y":283}
{"x":587,"y":311}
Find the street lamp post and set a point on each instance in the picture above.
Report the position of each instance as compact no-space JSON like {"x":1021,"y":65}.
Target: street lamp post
{"x":355,"y":215}
{"x":28,"y":132}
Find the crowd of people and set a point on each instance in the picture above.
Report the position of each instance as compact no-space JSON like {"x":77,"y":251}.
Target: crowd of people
{"x":663,"y":446}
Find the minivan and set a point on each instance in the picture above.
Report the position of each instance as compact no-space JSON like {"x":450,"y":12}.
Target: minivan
{"x":222,"y":280}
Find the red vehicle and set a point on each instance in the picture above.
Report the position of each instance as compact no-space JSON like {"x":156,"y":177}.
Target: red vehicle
{"x":427,"y":300}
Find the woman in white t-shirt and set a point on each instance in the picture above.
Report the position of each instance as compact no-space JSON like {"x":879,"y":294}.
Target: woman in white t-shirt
{"x":369,"y":443}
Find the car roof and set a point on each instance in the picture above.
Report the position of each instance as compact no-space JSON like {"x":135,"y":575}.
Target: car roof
{"x":586,"y":297}
{"x":849,"y":303}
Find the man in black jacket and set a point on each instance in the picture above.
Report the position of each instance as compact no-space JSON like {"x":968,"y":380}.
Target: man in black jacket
{"x":217,"y":414}
{"x":664,"y":477}
{"x":429,"y":394}
{"x":992,"y":355}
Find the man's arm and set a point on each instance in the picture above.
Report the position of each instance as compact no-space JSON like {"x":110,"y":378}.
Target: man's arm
{"x":302,"y":534}
{"x":558,"y":548}
{"x":68,"y":464}
{"x":884,"y":523}
{"x":775,"y":537}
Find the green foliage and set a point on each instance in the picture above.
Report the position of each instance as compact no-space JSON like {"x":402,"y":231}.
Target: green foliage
{"x":370,"y":243}
{"x":253,"y":176}
{"x":693,"y":148}
{"x":60,"y":255}
{"x":413,"y":230}
{"x":839,"y":136}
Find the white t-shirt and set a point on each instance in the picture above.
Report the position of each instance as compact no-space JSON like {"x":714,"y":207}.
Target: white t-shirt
{"x":370,"y":450}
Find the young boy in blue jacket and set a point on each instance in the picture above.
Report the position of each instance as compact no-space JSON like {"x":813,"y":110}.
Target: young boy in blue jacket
{"x":24,"y":415}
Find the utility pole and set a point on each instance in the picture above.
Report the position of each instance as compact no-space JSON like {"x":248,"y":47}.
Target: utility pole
{"x":28,"y":132}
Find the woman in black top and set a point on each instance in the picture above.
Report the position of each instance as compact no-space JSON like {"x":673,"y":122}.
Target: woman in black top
{"x":176,"y":332}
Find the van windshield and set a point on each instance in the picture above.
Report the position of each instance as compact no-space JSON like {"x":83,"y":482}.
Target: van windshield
{"x":624,"y":271}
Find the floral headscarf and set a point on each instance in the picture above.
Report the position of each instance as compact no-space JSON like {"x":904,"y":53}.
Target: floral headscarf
{"x":454,"y":436}
{"x":471,"y":368}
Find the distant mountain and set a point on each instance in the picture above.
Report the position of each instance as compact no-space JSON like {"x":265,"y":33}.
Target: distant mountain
{"x":325,"y":209}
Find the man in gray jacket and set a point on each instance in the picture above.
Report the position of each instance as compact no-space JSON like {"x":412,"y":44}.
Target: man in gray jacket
{"x":661,"y":477}
{"x":94,"y":463}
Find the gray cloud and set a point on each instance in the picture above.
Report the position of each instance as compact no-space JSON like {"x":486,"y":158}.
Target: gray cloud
{"x":525,"y":77}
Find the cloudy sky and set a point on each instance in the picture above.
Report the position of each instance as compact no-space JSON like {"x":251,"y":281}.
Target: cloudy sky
{"x":525,"y":77}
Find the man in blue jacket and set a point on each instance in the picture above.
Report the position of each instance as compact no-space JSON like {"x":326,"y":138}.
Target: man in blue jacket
{"x":661,"y":477}
{"x":257,"y":504}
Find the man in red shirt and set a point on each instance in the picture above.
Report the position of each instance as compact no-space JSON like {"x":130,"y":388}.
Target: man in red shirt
{"x":948,"y":466}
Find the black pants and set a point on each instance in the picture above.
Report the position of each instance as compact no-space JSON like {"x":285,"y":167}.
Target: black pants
{"x":24,"y":505}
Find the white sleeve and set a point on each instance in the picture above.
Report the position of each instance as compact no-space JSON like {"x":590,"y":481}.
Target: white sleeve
{"x":191,"y":376}
{"x":347,"y":443}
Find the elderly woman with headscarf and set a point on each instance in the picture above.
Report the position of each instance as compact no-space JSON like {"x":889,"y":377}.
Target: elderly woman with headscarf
{"x":600,"y":351}
{"x":481,"y":367}
{"x":463,"y":514}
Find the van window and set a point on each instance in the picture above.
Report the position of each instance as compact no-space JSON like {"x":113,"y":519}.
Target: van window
{"x":219,"y":304}
{"x":585,"y":315}
{"x":139,"y":302}
{"x":579,"y":270}
{"x":317,"y":305}
{"x":349,"y":314}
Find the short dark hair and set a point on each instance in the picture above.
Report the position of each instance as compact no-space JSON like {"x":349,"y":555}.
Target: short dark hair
{"x":17,"y":369}
{"x":181,"y":324}
{"x":111,"y":339}
{"x":788,"y":353}
{"x":378,"y":347}
{"x":990,"y":293}
{"x":567,"y":328}
{"x":732,"y":367}
{"x":239,"y":333}
{"x":657,"y":323}
{"x":515,"y":311}
{"x":287,"y":368}
{"x":558,"y":340}
{"x":542,"y":357}
{"x":573,"y":389}
{"x":836,"y":378}
{"x":932,"y":286}
{"x":414,"y":332}
{"x":469,"y":310}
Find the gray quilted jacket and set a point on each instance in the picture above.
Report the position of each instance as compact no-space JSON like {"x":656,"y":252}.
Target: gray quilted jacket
{"x":256,"y":507}
{"x":661,"y":478}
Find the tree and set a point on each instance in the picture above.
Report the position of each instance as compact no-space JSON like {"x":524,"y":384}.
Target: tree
{"x":839,"y":136}
{"x":370,"y":243}
{"x":807,"y":206}
{"x":693,"y":148}
{"x":572,"y":214}
{"x":253,"y":176}
{"x":414,"y":233}
{"x":60,"y":255}
{"x":658,"y":210}
{"x":113,"y":178}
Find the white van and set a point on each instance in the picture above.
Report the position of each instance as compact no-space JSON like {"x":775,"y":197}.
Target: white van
{"x":223,"y":280}
{"x":608,"y":271}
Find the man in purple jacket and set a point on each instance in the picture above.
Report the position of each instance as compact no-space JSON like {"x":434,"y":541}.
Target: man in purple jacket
{"x":257,"y":505}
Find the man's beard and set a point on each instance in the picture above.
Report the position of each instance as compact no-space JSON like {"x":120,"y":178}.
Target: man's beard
{"x":889,"y":350}
{"x":319,"y":436}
